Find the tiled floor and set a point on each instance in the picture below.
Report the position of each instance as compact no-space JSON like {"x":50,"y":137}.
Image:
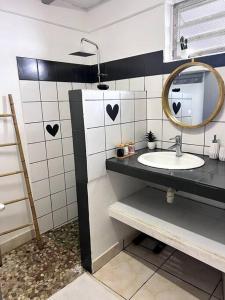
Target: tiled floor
{"x":29,"y":273}
{"x":138,"y":274}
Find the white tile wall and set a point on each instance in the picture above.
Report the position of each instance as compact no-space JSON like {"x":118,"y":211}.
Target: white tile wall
{"x":51,"y":158}
{"x":102,"y":140}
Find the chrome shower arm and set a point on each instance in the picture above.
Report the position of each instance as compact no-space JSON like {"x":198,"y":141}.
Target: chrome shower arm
{"x":98,"y":55}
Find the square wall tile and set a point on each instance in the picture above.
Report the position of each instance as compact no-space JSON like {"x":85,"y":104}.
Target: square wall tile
{"x":57,"y":183}
{"x":154,"y":108}
{"x":127,"y":95}
{"x":29,"y":90}
{"x":52,"y":130}
{"x":54,"y":148}
{"x":64,"y":110}
{"x":43,"y":206}
{"x":140,"y":130}
{"x":111,"y":84}
{"x":78,"y":86}
{"x":55,"y":166}
{"x":93,"y":113}
{"x":140,"y":109}
{"x":140,"y":145}
{"x":32,"y":112}
{"x":50,"y":111}
{"x":70,"y":179}
{"x":156,"y":127}
{"x":170,"y":130}
{"x":193,"y":136}
{"x":111,"y":95}
{"x":45,"y":223}
{"x":58,"y":200}
{"x":92,"y":95}
{"x":110,"y":153}
{"x":96,"y":166}
{"x":38,"y":171}
{"x":66,"y":128}
{"x":71,"y":195}
{"x":192,"y":148}
{"x":48,"y":91}
{"x":140,"y":95}
{"x":72,"y":211}
{"x":63,"y":90}
{"x":95,"y":140}
{"x":127,"y":111}
{"x":153,"y":86}
{"x":112,"y":112}
{"x":67,"y":144}
{"x":36,"y":152}
{"x":113,"y":136}
{"x":59,"y":216}
{"x":127,"y":132}
{"x":123,"y":85}
{"x":69,"y":162}
{"x":213,"y":128}
{"x":34,"y":132}
{"x":137,"y":84}
{"x":40,"y":189}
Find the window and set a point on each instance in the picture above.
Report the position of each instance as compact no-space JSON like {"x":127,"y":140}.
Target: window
{"x":197,"y":28}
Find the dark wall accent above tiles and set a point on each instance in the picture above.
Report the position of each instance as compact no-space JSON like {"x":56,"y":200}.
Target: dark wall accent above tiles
{"x":47,"y":70}
{"x":135,"y":66}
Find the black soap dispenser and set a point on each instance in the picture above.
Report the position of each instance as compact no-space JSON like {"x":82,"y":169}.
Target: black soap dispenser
{"x":214,"y":149}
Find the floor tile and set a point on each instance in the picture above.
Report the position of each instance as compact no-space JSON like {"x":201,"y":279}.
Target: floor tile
{"x":125,"y":274}
{"x":85,"y":287}
{"x":150,"y":256}
{"x":193,"y":271}
{"x":164,"y":286}
{"x":218,"y":294}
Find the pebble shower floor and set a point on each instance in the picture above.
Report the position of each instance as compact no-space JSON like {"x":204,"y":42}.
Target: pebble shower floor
{"x":29,"y":273}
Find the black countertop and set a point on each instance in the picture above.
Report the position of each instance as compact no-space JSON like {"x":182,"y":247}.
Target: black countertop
{"x":207,"y":181}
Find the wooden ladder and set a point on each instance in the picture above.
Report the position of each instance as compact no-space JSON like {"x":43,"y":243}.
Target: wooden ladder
{"x":26,"y":178}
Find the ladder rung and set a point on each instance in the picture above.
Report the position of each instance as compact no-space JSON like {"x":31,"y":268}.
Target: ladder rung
{"x":5,"y":115}
{"x":15,"y":201}
{"x":15,"y":229}
{"x":9,"y":144}
{"x":11,"y":173}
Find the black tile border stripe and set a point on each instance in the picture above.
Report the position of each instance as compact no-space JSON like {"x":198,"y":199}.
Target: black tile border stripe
{"x":147,"y":64}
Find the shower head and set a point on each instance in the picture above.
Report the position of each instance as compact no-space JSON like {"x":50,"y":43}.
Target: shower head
{"x":86,"y":54}
{"x":82,"y":54}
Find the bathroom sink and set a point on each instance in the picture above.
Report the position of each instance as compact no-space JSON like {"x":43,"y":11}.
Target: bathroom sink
{"x":169,"y":160}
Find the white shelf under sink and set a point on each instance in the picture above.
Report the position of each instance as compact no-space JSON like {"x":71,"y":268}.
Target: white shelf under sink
{"x":191,"y":227}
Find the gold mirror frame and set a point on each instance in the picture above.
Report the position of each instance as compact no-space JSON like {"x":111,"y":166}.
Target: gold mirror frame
{"x":167,"y":85}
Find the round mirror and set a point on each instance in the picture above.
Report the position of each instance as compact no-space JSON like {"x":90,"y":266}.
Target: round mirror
{"x":193,"y":95}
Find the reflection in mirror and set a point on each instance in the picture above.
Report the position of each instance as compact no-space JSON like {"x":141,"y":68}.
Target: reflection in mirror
{"x":193,"y":95}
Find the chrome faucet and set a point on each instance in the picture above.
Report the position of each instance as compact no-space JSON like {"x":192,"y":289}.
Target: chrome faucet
{"x":177,"y":145}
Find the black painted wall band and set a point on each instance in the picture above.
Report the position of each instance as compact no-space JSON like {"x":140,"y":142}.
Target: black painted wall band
{"x":136,"y":66}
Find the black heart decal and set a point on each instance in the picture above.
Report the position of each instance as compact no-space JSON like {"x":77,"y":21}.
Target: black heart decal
{"x":112,"y":112}
{"x":52,"y":129}
{"x":176,"y":107}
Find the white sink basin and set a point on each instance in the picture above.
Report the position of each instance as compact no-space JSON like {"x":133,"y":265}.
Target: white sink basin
{"x":169,"y":160}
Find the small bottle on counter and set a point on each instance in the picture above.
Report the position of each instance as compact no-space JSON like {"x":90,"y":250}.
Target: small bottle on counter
{"x":214,"y":149}
{"x":120,"y":150}
{"x":222,"y":154}
{"x":126,"y":149}
{"x":131,"y":147}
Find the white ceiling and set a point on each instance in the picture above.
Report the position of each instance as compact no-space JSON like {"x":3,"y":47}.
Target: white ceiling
{"x":78,"y":4}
